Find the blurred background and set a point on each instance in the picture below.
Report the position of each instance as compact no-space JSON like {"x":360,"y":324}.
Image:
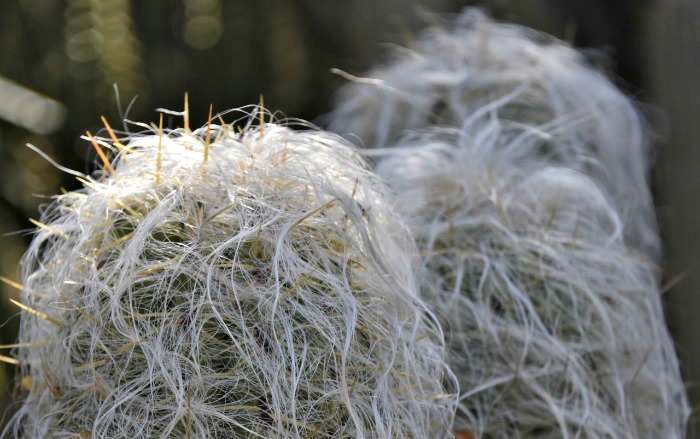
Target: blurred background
{"x":60,"y":60}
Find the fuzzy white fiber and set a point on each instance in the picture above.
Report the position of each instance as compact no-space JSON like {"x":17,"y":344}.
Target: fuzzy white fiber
{"x":522,"y":174}
{"x":267,"y":291}
{"x":457,"y":74}
{"x":555,"y":326}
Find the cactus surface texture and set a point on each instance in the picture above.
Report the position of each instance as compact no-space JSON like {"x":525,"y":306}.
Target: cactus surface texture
{"x":231,"y":282}
{"x":521,"y":171}
{"x":474,"y":68}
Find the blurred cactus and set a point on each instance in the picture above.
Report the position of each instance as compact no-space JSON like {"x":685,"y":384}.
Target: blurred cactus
{"x":521,"y":171}
{"x":458,"y":77}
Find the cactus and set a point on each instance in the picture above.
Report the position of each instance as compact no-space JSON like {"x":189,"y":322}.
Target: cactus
{"x":521,"y":171}
{"x":466,"y":71}
{"x":220,"y":283}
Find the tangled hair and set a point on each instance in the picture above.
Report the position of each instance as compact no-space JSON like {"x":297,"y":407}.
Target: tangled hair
{"x":257,"y":285}
{"x":555,"y":327}
{"x":462,"y":73}
{"x":522,"y":173}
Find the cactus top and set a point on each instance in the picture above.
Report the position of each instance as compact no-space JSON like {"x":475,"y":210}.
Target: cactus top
{"x":227,"y":282}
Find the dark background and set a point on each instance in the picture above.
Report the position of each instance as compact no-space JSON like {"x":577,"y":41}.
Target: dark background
{"x":229,"y":52}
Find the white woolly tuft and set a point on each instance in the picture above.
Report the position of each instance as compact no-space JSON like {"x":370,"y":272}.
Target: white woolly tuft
{"x":461,"y":76}
{"x":555,"y":326}
{"x":522,"y":173}
{"x":265,"y":292}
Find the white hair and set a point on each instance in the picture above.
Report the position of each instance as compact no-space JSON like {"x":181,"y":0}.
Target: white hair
{"x":521,"y":171}
{"x":555,"y":327}
{"x":460,"y":76}
{"x":254,"y":285}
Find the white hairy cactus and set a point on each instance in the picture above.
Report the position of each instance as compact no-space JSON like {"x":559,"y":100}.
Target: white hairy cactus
{"x":521,"y":172}
{"x":224,"y":284}
{"x":555,"y":326}
{"x":455,"y":77}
